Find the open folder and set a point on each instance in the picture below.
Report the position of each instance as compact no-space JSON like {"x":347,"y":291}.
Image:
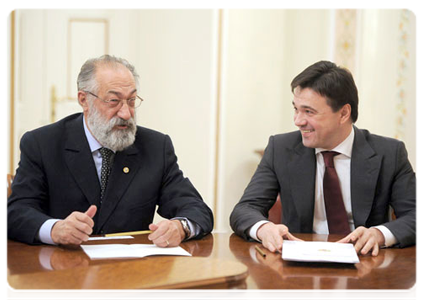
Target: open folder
{"x":319,"y":252}
{"x":130,"y":251}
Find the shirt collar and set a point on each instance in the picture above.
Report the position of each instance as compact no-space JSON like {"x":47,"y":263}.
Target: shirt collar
{"x":344,"y":148}
{"x":94,"y":144}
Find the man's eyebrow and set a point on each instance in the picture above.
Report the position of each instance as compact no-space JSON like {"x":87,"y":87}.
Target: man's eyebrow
{"x":119,"y":94}
{"x":304,"y":106}
{"x":308,"y":107}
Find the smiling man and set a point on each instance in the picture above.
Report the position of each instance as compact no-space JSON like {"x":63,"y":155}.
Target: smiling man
{"x":332,"y":177}
{"x":98,"y":172}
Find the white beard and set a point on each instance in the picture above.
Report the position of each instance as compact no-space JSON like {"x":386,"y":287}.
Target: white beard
{"x":102,"y":130}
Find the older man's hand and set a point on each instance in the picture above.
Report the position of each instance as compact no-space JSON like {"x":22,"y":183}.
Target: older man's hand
{"x":167,"y":233}
{"x":75,"y":229}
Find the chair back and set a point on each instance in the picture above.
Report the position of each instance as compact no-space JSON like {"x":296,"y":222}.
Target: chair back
{"x":9,"y":184}
{"x":275,"y":213}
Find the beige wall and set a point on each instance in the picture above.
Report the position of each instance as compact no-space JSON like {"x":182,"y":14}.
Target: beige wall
{"x":264,"y":50}
{"x":387,"y":65}
{"x":177,"y":68}
{"x":177,"y":53}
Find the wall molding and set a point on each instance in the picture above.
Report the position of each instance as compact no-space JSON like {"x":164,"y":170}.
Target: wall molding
{"x":218,"y":110}
{"x":402,"y":72}
{"x":345,"y":38}
{"x":69,"y":48}
{"x":12,"y":92}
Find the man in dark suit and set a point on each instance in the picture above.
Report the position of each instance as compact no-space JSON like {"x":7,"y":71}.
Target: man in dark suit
{"x":98,"y":172}
{"x":365,"y":176}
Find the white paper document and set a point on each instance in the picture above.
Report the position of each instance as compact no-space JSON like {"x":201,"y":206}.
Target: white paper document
{"x":319,"y":252}
{"x":130,"y":251}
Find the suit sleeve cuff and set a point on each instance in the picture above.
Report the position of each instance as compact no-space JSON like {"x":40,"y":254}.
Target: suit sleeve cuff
{"x":253,"y":230}
{"x":193,"y":227}
{"x":45,"y":231}
{"x":390,"y":239}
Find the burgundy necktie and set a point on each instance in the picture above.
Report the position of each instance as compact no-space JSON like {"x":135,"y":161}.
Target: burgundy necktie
{"x":335,"y":208}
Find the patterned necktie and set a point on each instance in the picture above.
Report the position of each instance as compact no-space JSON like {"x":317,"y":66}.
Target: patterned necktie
{"x":335,"y":208}
{"x":106,"y":166}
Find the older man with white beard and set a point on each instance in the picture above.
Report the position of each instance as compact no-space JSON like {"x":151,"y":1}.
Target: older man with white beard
{"x":98,"y":172}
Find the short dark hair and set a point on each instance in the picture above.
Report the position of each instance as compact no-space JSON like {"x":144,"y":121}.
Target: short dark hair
{"x":334,"y":83}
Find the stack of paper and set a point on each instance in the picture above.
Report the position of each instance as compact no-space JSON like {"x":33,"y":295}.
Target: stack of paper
{"x":130,"y":251}
{"x":319,"y":252}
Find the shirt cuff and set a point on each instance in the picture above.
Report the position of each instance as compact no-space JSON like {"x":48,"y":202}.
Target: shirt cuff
{"x":45,"y":231}
{"x":253,"y":230}
{"x":390,"y":239}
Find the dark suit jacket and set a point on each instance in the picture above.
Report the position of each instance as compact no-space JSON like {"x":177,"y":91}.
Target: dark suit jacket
{"x":57,"y":175}
{"x":381,"y":176}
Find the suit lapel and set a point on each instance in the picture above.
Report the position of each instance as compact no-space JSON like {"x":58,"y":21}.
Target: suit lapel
{"x":302,"y":170}
{"x":80,"y":162}
{"x":365,"y":167}
{"x":125,"y":167}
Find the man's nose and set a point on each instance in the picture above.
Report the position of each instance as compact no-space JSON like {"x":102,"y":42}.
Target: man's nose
{"x":125,"y":111}
{"x":299,"y":120}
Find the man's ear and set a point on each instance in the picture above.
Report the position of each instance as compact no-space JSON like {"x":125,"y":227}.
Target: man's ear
{"x":345,"y":113}
{"x":83,"y":101}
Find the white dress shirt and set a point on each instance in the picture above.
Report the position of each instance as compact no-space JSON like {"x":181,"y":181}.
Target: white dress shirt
{"x":342,"y":163}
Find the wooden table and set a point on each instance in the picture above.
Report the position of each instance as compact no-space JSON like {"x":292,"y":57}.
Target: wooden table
{"x":219,"y":261}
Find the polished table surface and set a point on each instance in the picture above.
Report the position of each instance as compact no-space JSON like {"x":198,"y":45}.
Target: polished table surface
{"x":220,"y":260}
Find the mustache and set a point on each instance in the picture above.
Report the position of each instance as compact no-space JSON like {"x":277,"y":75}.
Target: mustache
{"x":121,"y":122}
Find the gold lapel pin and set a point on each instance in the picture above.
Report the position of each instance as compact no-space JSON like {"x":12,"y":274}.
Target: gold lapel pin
{"x":126,"y":170}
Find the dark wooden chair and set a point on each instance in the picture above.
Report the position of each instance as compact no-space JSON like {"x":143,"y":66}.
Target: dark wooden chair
{"x":9,"y":184}
{"x":275,"y":213}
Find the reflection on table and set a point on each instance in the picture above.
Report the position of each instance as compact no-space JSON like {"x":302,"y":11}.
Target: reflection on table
{"x":220,"y":260}
{"x":392,"y":269}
